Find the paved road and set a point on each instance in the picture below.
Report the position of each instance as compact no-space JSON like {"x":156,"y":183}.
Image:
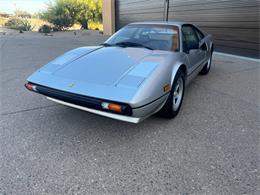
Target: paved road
{"x":212,"y":147}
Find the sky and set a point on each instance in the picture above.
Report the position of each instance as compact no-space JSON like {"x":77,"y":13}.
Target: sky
{"x":31,"y":6}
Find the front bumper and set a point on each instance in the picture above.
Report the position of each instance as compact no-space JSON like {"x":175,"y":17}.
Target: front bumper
{"x":99,"y":112}
{"x":79,"y":100}
{"x":93,"y":105}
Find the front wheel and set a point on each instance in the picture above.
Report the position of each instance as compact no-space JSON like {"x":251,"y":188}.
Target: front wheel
{"x":173,"y":104}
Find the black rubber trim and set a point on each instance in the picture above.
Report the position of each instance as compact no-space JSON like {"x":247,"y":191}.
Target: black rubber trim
{"x":81,"y":100}
{"x":152,"y":101}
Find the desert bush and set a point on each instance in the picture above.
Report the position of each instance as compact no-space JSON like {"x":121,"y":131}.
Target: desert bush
{"x":19,"y":24}
{"x":55,"y":29}
{"x":45,"y":28}
{"x":25,"y":25}
{"x":13,"y":23}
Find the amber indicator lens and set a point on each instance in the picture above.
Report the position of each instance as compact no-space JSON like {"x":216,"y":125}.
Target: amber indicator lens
{"x":29,"y":86}
{"x":167,"y":88}
{"x":111,"y":106}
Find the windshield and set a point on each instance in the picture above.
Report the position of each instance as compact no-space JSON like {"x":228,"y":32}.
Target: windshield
{"x":156,"y":37}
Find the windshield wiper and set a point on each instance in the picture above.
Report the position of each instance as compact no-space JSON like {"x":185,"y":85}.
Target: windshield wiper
{"x":132,"y":44}
{"x":107,"y":45}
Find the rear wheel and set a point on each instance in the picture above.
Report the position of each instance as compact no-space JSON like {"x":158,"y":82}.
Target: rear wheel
{"x":174,"y":101}
{"x":207,"y":66}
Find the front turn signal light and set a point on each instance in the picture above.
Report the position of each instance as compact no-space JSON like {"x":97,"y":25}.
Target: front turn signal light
{"x":112,"y":107}
{"x":30,"y":87}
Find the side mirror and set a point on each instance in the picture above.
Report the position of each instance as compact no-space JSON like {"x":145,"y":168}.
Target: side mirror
{"x":193,"y":46}
{"x":203,"y":46}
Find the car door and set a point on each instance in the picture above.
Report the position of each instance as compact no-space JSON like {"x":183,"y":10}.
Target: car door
{"x":202,"y":42}
{"x":190,"y":41}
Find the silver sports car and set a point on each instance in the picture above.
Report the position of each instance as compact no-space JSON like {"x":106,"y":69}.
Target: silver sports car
{"x":139,"y":71}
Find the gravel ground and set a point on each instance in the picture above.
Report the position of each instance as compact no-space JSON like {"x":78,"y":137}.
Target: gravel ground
{"x":211,"y":147}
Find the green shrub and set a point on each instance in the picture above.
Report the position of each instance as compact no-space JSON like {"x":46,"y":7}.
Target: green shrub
{"x":13,"y":23}
{"x":45,"y":29}
{"x":25,"y":25}
{"x":19,"y":24}
{"x":55,"y":29}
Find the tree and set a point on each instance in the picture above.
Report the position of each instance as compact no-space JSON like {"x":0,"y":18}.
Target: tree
{"x":59,"y":15}
{"x":95,"y":10}
{"x":64,"y":13}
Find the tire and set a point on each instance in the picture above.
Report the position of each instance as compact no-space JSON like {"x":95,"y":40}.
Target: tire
{"x":173,"y":104}
{"x":205,"y":70}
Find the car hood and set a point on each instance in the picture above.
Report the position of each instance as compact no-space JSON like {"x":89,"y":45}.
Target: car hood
{"x":112,"y":73}
{"x":103,"y":66}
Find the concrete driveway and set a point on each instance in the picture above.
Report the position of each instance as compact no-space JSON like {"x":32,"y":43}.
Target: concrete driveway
{"x":211,"y":147}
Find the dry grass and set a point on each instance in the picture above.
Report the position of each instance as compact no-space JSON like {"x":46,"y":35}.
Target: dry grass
{"x":3,"y":21}
{"x":37,"y":23}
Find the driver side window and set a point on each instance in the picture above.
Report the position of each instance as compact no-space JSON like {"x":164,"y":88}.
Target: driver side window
{"x":190,"y":39}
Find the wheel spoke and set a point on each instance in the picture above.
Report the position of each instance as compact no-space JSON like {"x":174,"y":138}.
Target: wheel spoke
{"x":177,"y":87}
{"x":177,"y":94}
